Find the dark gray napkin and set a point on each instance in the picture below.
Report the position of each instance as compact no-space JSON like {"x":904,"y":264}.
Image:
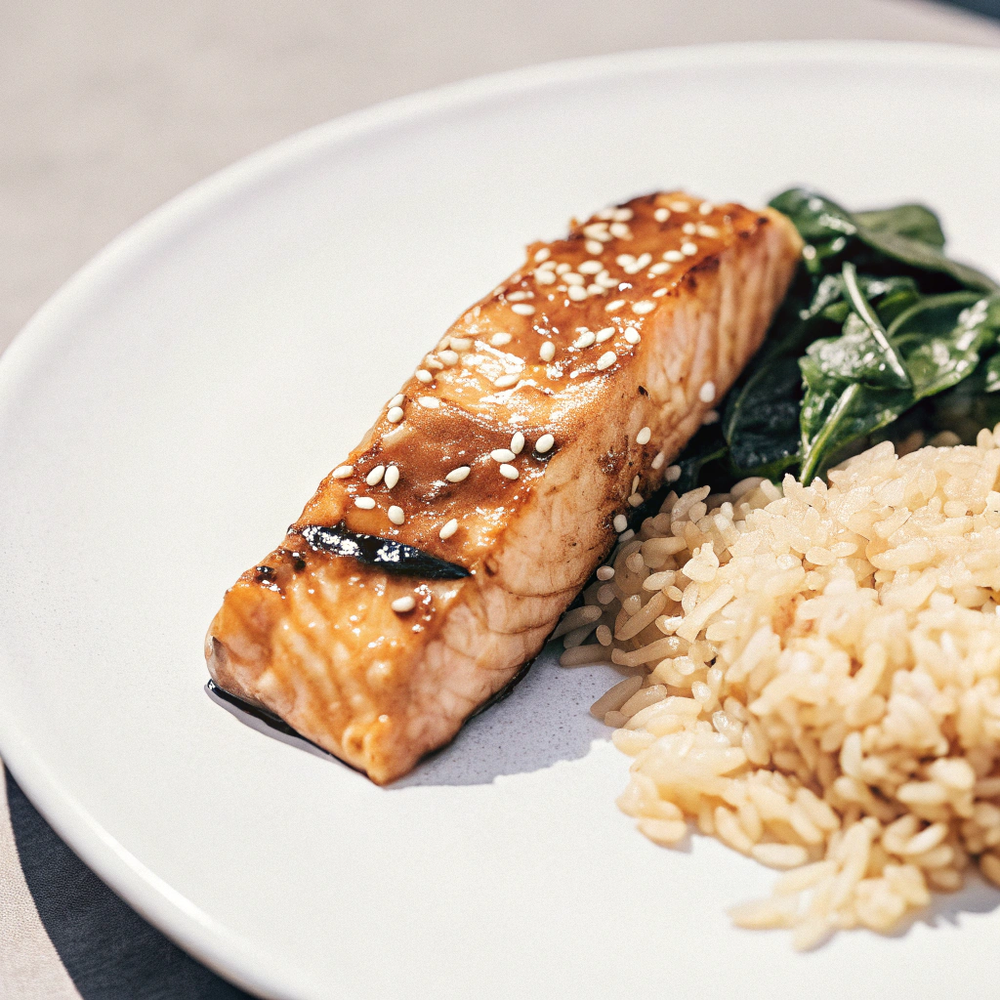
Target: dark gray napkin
{"x":109,"y":951}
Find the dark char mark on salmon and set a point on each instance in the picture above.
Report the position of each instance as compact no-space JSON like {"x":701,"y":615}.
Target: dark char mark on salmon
{"x":387,"y":555}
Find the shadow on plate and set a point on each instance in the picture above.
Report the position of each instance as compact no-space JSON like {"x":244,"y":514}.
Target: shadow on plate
{"x":109,"y":951}
{"x":542,"y":720}
{"x":976,"y":896}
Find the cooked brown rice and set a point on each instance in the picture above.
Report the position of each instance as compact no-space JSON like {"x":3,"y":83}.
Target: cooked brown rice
{"x":814,"y":679}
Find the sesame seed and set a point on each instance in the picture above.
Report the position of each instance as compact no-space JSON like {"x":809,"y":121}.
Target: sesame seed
{"x":707,"y":392}
{"x":592,"y":246}
{"x":544,"y":444}
{"x":404,"y":604}
{"x":606,"y":334}
{"x":590,"y":267}
{"x":689,"y":249}
{"x":606,"y":360}
{"x":672,"y":474}
{"x":712,"y":417}
{"x":577,"y":293}
{"x":705,"y":208}
{"x":547,"y":351}
{"x":457,"y":475}
{"x":709,"y":231}
{"x":394,"y":415}
{"x":397,"y":400}
{"x":563,"y":268}
{"x":661,"y":214}
{"x":423,"y":375}
{"x":517,"y":443}
{"x":391,"y":476}
{"x":433,"y":363}
{"x":626,"y":536}
{"x":448,"y":530}
{"x":375,"y":476}
{"x":657,"y":462}
{"x":632,"y":335}
{"x":596,"y":231}
{"x":641,"y":308}
{"x":673,"y":256}
{"x":659,"y":293}
{"x":500,"y":339}
{"x":620,"y":522}
{"x":595,"y":289}
{"x":523,"y":308}
{"x":545,"y":277}
{"x":605,"y":572}
{"x":365,"y":503}
{"x":518,"y":295}
{"x":620,"y":230}
{"x":614,"y":306}
{"x":625,"y":260}
{"x":643,"y":437}
{"x":502,"y":455}
{"x":508,"y":471}
{"x":635,"y":500}
{"x":660,"y":267}
{"x":622,"y":214}
{"x":605,"y":213}
{"x":643,"y":260}
{"x":585,"y":339}
{"x":605,"y":280}
{"x":681,"y":206}
{"x":396,"y":514}
{"x":460,"y":343}
{"x":448,"y":357}
{"x":689,"y":229}
{"x":505,"y":381}
{"x":544,"y":254}
{"x":572,"y":278}
{"x":342,"y":471}
{"x":429,"y":402}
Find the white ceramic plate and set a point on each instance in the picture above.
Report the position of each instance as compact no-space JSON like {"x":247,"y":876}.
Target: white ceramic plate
{"x":167,"y":414}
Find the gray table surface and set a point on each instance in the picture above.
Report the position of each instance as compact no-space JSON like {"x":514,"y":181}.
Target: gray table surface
{"x":109,"y":107}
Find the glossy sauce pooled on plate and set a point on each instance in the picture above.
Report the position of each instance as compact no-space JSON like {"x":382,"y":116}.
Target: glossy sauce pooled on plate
{"x":432,"y":564}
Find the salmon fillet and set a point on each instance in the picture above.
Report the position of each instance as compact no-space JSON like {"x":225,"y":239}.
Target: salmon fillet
{"x":434,"y":563}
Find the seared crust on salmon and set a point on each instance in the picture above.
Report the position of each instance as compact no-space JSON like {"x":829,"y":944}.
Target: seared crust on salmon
{"x":430,"y":566}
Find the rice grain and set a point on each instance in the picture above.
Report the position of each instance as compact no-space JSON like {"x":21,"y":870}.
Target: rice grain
{"x":819,"y":679}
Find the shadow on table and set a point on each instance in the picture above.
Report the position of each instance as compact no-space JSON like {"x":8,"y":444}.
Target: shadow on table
{"x":109,"y":951}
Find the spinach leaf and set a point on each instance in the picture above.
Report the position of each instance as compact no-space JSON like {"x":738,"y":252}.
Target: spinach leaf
{"x":761,"y":421}
{"x":901,"y":235}
{"x":832,"y":419}
{"x":877,"y":323}
{"x":707,"y":446}
{"x":917,"y":222}
{"x":991,"y":374}
{"x":941,"y":338}
{"x":927,"y":258}
{"x":826,"y":228}
{"x":761,"y":415}
{"x":889,"y":363}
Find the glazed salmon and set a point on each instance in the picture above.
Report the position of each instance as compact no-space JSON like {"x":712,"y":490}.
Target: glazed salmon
{"x":434,"y":562}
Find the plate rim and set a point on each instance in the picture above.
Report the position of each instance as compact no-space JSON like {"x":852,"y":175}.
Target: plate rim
{"x":209,"y":941}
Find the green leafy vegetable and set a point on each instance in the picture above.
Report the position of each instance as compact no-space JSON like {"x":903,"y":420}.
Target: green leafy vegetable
{"x":878,"y":323}
{"x":913,"y":221}
{"x":941,"y":338}
{"x":897,"y":236}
